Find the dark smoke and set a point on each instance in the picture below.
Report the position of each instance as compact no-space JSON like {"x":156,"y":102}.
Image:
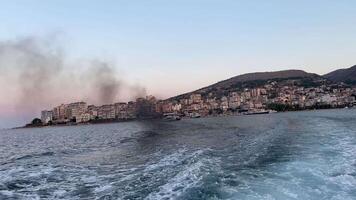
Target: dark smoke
{"x":138,"y":91}
{"x":39,"y":76}
{"x":34,"y":65}
{"x":104,"y":82}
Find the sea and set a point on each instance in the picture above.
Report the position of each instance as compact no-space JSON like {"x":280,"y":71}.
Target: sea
{"x":294,"y":155}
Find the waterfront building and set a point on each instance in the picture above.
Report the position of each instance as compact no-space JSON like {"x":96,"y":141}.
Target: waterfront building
{"x":46,"y":116}
{"x":167,"y":107}
{"x":75,"y":110}
{"x":59,"y":113}
{"x":85,"y":117}
{"x":131,"y":110}
{"x":106,"y":111}
{"x":176,"y":107}
{"x":121,"y":110}
{"x":93,"y":112}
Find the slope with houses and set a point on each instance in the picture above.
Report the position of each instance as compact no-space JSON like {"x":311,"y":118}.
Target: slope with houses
{"x":249,"y":93}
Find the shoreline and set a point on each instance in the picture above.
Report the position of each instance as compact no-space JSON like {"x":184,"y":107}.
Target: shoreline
{"x":208,"y":116}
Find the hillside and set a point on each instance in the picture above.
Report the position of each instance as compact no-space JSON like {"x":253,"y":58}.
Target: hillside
{"x":343,"y":75}
{"x":254,"y":80}
{"x":260,"y":76}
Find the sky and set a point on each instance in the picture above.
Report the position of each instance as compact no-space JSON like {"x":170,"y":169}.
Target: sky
{"x":172,"y":47}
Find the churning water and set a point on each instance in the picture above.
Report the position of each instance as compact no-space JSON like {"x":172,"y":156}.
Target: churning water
{"x":296,"y":155}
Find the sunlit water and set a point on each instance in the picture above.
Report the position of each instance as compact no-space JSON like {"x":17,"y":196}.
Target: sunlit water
{"x":296,"y":155}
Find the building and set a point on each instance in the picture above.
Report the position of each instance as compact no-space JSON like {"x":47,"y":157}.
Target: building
{"x":176,"y":107}
{"x":131,"y":110}
{"x":224,"y":105}
{"x":46,"y":116}
{"x":59,"y":113}
{"x":106,"y":111}
{"x":255,"y":92}
{"x":93,"y":112}
{"x":167,"y":107}
{"x":121,"y":110}
{"x":85,"y":117}
{"x":75,"y":110}
{"x":195,"y":98}
{"x":328,"y":99}
{"x":234,"y":100}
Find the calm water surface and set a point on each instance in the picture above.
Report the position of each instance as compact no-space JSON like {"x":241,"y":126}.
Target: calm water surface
{"x":296,"y":155}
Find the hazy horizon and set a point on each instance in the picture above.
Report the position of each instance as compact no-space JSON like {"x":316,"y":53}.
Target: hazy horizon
{"x":128,"y":49}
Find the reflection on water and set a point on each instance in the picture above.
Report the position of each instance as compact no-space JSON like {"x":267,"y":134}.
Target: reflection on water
{"x":299,"y":155}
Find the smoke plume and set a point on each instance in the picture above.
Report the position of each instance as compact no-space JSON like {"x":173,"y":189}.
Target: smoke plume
{"x":29,"y":66}
{"x":104,"y":82}
{"x":34,"y":75}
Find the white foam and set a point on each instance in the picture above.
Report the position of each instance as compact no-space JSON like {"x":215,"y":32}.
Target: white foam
{"x":59,"y":193}
{"x":178,"y":184}
{"x":188,"y":177}
{"x":168,"y":160}
{"x":7,"y":193}
{"x":102,"y":188}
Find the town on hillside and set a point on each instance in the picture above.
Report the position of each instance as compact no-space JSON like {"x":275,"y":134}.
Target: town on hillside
{"x":251,"y":97}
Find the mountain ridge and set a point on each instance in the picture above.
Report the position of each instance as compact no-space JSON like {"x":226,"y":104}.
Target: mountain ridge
{"x":251,"y":77}
{"x":347,"y":75}
{"x":292,"y":73}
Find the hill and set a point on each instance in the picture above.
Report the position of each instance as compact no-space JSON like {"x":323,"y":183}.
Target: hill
{"x":260,"y":76}
{"x":253,"y":80}
{"x":343,"y":75}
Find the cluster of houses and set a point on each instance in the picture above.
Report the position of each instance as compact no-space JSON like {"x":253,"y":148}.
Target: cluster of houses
{"x":211,"y":103}
{"x":81,"y":112}
{"x":263,"y":98}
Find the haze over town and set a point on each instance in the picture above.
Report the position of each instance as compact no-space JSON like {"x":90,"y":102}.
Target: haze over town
{"x":63,"y":51}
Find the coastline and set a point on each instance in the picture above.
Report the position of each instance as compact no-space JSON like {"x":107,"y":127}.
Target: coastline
{"x":111,"y":121}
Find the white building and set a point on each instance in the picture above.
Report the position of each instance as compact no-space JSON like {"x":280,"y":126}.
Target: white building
{"x":75,"y":110}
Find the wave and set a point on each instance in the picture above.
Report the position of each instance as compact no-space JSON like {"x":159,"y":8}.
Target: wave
{"x":193,"y":169}
{"x":49,"y":153}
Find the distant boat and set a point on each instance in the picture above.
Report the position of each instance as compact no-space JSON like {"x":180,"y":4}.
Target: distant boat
{"x":195,"y":115}
{"x":171,"y":117}
{"x":257,"y":112}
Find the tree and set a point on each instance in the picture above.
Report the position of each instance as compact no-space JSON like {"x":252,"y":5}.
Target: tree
{"x":74,"y":120}
{"x":36,"y":121}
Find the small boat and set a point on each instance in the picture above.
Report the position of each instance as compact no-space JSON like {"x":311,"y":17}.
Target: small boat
{"x":195,"y":115}
{"x":257,"y":112}
{"x":171,"y":117}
